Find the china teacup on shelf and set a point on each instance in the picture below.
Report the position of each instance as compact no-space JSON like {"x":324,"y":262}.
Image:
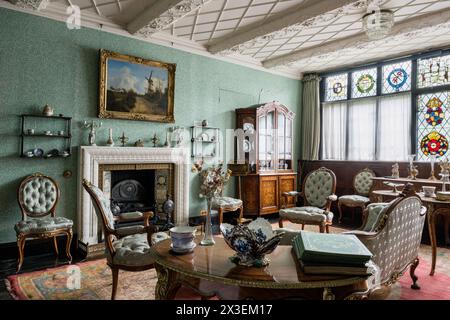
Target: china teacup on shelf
{"x":429,"y":191}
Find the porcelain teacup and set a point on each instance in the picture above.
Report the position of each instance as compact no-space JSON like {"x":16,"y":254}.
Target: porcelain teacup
{"x":428,"y":191}
{"x":182,"y":238}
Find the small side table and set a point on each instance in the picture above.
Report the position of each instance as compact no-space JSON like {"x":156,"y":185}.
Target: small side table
{"x":435,"y":208}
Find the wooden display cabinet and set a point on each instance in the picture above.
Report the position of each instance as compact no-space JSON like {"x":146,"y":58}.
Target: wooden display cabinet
{"x":268,"y":130}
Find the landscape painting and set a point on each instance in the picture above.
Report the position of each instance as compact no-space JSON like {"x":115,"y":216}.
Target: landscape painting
{"x":135,"y":88}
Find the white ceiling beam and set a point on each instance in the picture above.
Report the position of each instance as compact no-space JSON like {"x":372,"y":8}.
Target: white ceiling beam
{"x":30,"y":4}
{"x":161,"y":14}
{"x":291,"y":20}
{"x":406,"y":29}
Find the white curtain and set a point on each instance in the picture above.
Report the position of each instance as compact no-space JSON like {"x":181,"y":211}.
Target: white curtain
{"x":361,"y":131}
{"x":394,"y":128}
{"x":334,"y":118}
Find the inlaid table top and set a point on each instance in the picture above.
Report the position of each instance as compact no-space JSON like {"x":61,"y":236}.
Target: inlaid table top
{"x":213,"y":263}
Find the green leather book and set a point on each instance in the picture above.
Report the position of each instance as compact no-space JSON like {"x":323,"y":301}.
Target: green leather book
{"x":326,"y":268}
{"x":330,"y":248}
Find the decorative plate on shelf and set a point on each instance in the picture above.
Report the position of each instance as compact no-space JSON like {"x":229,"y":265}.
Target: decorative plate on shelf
{"x":204,"y":137}
{"x":247,"y":146}
{"x":248,"y":128}
{"x":38,"y":152}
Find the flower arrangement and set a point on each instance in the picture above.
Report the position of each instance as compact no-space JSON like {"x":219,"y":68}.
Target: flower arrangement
{"x":212,"y":181}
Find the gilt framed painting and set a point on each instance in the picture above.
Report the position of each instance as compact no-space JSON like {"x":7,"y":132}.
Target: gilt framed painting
{"x":135,"y":88}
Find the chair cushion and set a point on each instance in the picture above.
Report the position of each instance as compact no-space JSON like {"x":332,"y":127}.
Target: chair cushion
{"x":37,"y":225}
{"x":126,"y":231}
{"x":374,"y":213}
{"x":306,"y":214}
{"x":133,"y":250}
{"x":353,"y":200}
{"x":226,"y":203}
{"x":39,"y":195}
{"x":131,"y":215}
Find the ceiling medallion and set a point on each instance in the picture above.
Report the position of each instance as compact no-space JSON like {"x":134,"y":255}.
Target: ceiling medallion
{"x":378,"y":23}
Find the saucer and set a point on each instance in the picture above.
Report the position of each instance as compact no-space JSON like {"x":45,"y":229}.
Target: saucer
{"x":182,"y":250}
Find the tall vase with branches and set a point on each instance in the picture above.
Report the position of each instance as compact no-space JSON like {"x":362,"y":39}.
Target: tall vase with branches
{"x":212,"y":182}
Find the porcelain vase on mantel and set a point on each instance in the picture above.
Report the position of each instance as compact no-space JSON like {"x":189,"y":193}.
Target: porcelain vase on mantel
{"x":208,"y":238}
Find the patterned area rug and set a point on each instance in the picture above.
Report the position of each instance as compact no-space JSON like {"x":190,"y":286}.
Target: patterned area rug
{"x":95,"y":284}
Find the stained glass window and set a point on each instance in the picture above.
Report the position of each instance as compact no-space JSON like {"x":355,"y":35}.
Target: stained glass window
{"x":364,"y":83}
{"x":336,"y":87}
{"x":433,"y":123}
{"x":433,"y":72}
{"x":397,"y":77}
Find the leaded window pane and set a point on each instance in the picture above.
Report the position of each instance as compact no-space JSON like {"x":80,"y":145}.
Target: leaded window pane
{"x":397,"y":77}
{"x":336,"y":87}
{"x":433,"y":72}
{"x":364,"y":83}
{"x":433,"y":124}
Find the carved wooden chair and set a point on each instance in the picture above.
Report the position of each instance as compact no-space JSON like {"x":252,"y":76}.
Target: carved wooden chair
{"x":318,"y":191}
{"x":393,"y":232}
{"x":127,"y":248}
{"x":38,"y":196}
{"x":362,"y":184}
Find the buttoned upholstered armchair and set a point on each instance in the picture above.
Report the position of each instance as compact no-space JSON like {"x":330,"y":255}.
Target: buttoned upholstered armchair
{"x":318,"y":191}
{"x":362,"y":184}
{"x":393,"y":232}
{"x":38,"y":196}
{"x":127,"y":248}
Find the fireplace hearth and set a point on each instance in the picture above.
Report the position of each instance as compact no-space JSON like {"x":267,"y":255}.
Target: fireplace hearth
{"x":133,"y":191}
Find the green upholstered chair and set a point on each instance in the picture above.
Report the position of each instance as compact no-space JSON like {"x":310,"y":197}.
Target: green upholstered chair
{"x":127,"y":248}
{"x":362,"y":184}
{"x":318,"y":191}
{"x":393,"y":232}
{"x":38,"y":196}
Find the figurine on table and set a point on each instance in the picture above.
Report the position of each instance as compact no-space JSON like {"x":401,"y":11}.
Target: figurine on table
{"x":395,"y":171}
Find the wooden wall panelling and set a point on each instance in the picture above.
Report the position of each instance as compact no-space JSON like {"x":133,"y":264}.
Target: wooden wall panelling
{"x":346,"y":170}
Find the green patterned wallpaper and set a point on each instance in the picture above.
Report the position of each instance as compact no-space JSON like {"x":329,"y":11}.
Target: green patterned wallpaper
{"x":42,"y":61}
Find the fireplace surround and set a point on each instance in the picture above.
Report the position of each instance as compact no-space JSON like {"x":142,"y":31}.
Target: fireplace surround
{"x":93,"y":159}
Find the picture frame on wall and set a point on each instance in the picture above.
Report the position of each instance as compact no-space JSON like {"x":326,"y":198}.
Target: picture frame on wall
{"x":135,"y":88}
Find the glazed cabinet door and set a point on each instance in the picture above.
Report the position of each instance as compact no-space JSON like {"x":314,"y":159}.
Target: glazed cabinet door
{"x":268,"y":194}
{"x":287,"y":183}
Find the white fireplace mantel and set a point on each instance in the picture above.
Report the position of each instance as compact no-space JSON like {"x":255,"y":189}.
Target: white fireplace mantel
{"x":91,"y":157}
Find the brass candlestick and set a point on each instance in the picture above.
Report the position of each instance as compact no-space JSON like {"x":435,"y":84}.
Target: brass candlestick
{"x":154,"y":140}
{"x":433,"y":160}
{"x":123,"y":139}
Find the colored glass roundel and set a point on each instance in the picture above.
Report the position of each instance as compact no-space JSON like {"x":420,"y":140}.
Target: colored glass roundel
{"x":338,"y":87}
{"x":434,"y":115}
{"x":365,"y":83}
{"x":434,"y":144}
{"x":397,"y":78}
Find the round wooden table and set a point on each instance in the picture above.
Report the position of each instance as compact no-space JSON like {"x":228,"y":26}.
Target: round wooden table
{"x":209,"y":271}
